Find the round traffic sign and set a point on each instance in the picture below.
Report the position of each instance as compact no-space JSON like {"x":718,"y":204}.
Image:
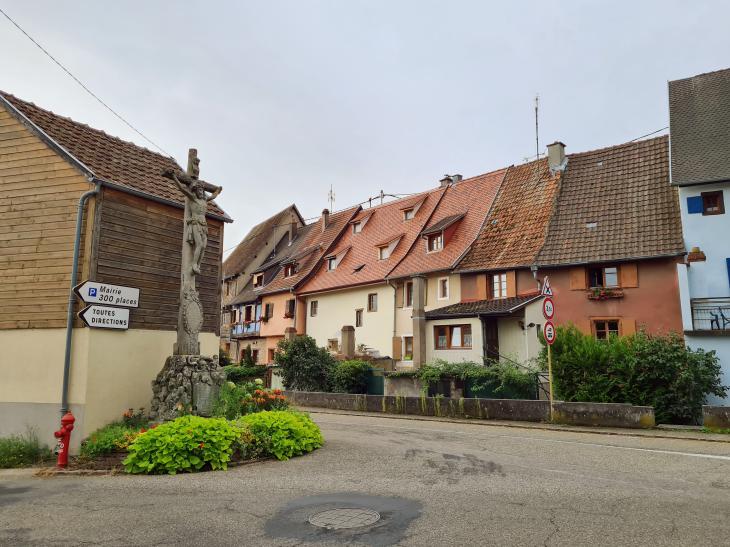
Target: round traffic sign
{"x":549,"y":332}
{"x":548,"y":308}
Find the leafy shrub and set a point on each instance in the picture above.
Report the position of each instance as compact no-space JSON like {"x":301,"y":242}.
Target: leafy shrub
{"x":283,"y":434}
{"x":304,"y":366}
{"x":351,"y":377}
{"x":640,"y":369}
{"x":187,"y":444}
{"x":22,"y":451}
{"x":247,"y":359}
{"x":495,"y":379}
{"x":239,"y":373}
{"x":111,"y":438}
{"x":224,"y":359}
{"x":137,"y":419}
{"x":235,"y":400}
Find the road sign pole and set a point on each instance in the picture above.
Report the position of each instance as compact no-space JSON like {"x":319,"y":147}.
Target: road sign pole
{"x":550,"y":379}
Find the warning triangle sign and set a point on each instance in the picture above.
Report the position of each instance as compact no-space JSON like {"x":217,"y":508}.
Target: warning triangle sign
{"x":546,"y":289}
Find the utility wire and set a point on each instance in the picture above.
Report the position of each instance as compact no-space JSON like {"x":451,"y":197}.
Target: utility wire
{"x":67,"y":71}
{"x":649,"y":134}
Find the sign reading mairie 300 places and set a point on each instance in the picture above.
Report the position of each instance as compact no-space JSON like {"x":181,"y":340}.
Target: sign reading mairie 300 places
{"x":93,"y":292}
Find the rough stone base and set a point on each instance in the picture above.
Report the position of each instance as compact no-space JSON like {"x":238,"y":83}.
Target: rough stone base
{"x":173,"y":388}
{"x":717,"y":417}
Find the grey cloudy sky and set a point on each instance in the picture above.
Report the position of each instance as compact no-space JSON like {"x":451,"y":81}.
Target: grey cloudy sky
{"x":285,"y":98}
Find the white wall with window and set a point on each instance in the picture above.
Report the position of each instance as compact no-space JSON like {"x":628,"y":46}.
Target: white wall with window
{"x":336,"y":309}
{"x":454,"y":340}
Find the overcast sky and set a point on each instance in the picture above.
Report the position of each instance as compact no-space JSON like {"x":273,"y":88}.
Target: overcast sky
{"x":284,"y":99}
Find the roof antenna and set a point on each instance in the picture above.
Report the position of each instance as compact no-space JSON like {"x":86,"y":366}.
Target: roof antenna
{"x":382,"y":195}
{"x":537,"y":138}
{"x":331,"y":198}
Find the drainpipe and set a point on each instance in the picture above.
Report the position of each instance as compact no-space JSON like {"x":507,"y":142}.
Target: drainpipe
{"x":72,"y":297}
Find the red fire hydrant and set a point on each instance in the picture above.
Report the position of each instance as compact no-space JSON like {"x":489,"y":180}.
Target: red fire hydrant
{"x":64,"y":437}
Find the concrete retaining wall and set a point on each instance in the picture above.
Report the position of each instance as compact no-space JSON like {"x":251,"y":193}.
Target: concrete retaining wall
{"x":604,"y":414}
{"x":717,"y":417}
{"x":595,"y":414}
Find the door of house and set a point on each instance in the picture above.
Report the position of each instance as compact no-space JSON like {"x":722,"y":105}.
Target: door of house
{"x":491,"y":338}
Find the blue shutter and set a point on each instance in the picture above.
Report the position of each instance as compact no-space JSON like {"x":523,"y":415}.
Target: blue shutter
{"x":727,"y":262}
{"x":694,"y":205}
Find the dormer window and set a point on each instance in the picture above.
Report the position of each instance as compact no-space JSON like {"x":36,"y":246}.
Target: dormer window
{"x":290,"y":270}
{"x":408,"y":214}
{"x":356,"y":227}
{"x":331,"y":263}
{"x":386,"y":248}
{"x":383,"y":253}
{"x":435,"y":242}
{"x":258,"y":280}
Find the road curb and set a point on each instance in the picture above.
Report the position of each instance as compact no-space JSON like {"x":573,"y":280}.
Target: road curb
{"x":651,"y":433}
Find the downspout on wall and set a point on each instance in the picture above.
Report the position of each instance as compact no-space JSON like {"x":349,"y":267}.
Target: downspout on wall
{"x":71,"y":295}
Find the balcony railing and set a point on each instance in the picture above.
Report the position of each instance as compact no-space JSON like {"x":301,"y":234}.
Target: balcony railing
{"x":711,"y":314}
{"x":240,"y":330}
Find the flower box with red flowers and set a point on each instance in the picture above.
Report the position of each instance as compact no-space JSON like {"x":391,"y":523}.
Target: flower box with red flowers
{"x":599,"y":293}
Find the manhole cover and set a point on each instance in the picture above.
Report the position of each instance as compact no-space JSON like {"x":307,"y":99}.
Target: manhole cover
{"x":336,"y":519}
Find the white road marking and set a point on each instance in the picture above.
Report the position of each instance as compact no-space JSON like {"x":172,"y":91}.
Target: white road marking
{"x":597,"y":445}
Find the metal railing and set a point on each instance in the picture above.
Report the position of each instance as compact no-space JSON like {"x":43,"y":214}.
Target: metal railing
{"x":711,"y":314}
{"x":240,"y":330}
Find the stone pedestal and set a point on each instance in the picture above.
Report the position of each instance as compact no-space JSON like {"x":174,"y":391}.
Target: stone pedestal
{"x":173,"y":389}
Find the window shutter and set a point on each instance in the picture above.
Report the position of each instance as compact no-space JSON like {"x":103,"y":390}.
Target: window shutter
{"x":397,"y":347}
{"x":628,"y":326}
{"x":399,"y":295}
{"x":577,"y":278}
{"x":629,"y":275}
{"x":511,"y":283}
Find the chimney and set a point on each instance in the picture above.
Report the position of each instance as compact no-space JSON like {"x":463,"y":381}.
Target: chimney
{"x":456,"y":178}
{"x":445,"y":181}
{"x":325,"y":218}
{"x":556,"y":157}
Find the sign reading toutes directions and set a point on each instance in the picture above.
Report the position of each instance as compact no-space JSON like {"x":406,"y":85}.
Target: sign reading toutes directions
{"x":105,"y":317}
{"x":111,"y":316}
{"x":92,"y":292}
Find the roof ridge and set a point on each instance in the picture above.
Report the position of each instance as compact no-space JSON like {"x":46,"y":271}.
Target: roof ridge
{"x":12,"y":98}
{"x":617,"y":146}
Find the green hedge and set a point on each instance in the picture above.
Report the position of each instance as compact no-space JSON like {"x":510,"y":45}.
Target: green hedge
{"x":640,"y":369}
{"x":239,"y":373}
{"x":283,"y":434}
{"x":351,"y":377}
{"x":304,"y":365}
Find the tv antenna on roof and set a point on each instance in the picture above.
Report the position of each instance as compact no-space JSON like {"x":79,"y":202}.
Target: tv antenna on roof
{"x":331,"y":198}
{"x":537,"y":139}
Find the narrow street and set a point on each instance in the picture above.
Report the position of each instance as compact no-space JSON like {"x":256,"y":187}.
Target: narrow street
{"x":431,"y":483}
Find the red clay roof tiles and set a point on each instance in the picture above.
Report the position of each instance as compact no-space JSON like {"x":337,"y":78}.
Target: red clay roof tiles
{"x":514,"y":230}
{"x":110,"y":158}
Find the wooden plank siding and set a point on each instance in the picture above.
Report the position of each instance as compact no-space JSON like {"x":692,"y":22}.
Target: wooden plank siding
{"x":39,"y":193}
{"x":139,"y":243}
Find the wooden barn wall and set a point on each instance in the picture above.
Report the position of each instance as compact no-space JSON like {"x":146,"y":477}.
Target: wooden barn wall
{"x":138,"y":244}
{"x":39,"y":193}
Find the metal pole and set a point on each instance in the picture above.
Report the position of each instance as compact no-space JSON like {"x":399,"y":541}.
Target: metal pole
{"x":71,"y":296}
{"x":550,"y":379}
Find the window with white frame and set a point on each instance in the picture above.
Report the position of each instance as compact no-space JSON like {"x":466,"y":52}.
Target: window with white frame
{"x":356,"y":227}
{"x":358,"y":318}
{"x":408,"y":294}
{"x":443,"y":288}
{"x":383,"y":252}
{"x":435,"y":242}
{"x":313,"y":308}
{"x":499,"y":285}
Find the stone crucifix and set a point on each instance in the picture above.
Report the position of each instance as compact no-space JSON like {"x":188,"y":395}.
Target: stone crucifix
{"x":195,"y":239}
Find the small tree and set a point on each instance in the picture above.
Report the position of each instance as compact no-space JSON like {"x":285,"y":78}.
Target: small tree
{"x":224,"y":359}
{"x":304,"y":366}
{"x":351,"y":377}
{"x":247,"y":357}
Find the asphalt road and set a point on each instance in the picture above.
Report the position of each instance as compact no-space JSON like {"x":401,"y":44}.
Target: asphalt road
{"x":432,"y":483}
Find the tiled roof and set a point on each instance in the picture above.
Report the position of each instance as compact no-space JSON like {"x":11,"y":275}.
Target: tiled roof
{"x":515,"y":228}
{"x":319,"y":241}
{"x":699,"y":120}
{"x":471,"y":199}
{"x":386,"y":223}
{"x":289,"y":251}
{"x":499,"y":306}
{"x":109,"y":158}
{"x":247,"y":249}
{"x":615,"y":204}
{"x":248,"y":294}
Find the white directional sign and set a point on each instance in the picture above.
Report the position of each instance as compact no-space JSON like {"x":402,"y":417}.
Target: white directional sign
{"x":549,"y":332}
{"x":546,"y":289}
{"x":105,"y":317}
{"x":92,"y":292}
{"x":548,"y":308}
